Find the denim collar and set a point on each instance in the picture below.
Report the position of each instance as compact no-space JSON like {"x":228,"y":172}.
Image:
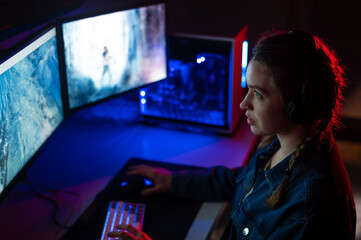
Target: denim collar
{"x":266,"y":153}
{"x":262,"y":157}
{"x":275,"y":175}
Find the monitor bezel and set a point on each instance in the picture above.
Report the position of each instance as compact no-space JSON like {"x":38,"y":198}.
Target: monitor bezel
{"x":21,"y":45}
{"x":68,"y":111}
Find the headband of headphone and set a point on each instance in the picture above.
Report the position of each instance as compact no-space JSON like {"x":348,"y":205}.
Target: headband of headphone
{"x":301,"y":108}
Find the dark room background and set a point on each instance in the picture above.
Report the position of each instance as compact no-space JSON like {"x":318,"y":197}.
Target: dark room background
{"x":337,"y":22}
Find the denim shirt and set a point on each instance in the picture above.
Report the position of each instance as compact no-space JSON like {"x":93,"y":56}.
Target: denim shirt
{"x":317,"y":203}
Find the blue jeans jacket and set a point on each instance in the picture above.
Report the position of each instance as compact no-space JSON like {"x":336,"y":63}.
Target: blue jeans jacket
{"x":317,"y":204}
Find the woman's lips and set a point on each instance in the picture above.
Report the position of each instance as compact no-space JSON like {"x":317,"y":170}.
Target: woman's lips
{"x":250,"y":121}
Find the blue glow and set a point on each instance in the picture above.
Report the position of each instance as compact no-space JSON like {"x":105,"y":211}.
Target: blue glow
{"x":122,"y":214}
{"x":106,"y":220}
{"x":201,"y":59}
{"x":123,"y":184}
{"x":244,"y":63}
{"x":143,"y":101}
{"x":244,"y":54}
{"x":114,"y":217}
{"x":147,"y":182}
{"x":135,"y":214}
{"x":129,"y":212}
{"x":243,"y":81}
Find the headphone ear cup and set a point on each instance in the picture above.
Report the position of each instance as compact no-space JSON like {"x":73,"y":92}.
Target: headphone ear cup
{"x":299,"y":112}
{"x":291,"y":109}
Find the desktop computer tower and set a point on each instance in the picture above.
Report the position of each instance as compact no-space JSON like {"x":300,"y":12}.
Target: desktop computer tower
{"x":204,"y":87}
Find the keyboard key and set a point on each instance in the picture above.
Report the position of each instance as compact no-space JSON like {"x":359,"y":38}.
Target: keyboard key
{"x":123,"y":212}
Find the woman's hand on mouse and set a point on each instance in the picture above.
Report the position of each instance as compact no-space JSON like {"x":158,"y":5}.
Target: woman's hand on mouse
{"x":128,"y":232}
{"x":160,"y":177}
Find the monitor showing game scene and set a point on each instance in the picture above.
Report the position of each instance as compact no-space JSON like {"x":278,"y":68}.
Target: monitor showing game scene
{"x":30,"y":103}
{"x":112,"y":53}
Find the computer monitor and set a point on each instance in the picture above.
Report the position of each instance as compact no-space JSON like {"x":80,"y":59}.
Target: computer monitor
{"x":31,"y":105}
{"x":204,"y":87}
{"x":111,"y":53}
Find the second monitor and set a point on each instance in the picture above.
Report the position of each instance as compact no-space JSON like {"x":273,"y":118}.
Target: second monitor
{"x":112,"y":53}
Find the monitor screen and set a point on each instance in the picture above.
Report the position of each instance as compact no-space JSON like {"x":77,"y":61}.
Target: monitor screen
{"x":196,"y":90}
{"x":112,"y":53}
{"x":30,"y":103}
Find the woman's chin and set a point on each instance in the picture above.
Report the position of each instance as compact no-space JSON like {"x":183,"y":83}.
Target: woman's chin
{"x":254,"y":129}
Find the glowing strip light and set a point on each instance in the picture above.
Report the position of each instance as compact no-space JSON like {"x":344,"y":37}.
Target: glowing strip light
{"x":244,"y":63}
{"x":244,"y":54}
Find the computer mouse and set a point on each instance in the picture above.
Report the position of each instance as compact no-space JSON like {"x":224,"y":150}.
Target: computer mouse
{"x":134,"y":185}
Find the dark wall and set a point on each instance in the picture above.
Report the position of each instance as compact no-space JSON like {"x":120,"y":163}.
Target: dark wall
{"x":336,"y":21}
{"x":339,"y":21}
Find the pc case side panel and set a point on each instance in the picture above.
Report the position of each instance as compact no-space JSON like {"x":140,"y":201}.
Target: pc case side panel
{"x":237,"y":91}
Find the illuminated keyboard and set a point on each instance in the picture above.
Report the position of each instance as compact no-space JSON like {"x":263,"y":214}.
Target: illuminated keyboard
{"x":123,"y":212}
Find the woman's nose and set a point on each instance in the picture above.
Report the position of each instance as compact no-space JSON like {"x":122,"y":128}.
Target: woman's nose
{"x":244,"y":105}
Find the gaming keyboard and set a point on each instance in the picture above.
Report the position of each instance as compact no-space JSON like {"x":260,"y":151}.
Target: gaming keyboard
{"x":123,"y":212}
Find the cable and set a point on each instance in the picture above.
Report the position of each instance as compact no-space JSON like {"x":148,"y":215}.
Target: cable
{"x":56,"y":206}
{"x":54,"y":202}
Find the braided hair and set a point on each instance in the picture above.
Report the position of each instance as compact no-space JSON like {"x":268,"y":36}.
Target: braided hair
{"x":305,"y":68}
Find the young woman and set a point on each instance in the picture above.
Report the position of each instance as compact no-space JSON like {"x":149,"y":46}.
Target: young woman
{"x":295,"y":186}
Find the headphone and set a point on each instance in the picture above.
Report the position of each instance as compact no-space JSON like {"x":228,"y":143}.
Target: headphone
{"x":301,"y":109}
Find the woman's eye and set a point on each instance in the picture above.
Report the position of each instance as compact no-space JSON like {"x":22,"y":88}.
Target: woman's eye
{"x":257,"y":94}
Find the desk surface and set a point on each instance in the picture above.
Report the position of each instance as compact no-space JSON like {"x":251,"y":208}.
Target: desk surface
{"x":86,"y":151}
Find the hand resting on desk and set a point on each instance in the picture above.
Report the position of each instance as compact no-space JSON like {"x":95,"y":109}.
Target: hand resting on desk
{"x":160,"y":177}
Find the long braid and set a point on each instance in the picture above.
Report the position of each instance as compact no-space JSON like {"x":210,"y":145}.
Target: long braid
{"x":273,"y":200}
